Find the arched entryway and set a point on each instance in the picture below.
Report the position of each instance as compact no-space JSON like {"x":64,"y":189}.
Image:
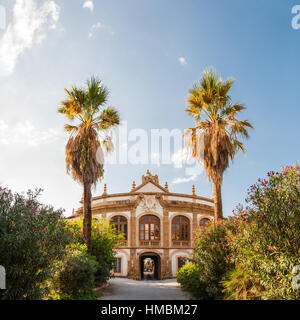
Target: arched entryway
{"x":150,"y":266}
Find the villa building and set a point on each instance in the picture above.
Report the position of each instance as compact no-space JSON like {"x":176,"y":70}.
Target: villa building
{"x":158,"y":225}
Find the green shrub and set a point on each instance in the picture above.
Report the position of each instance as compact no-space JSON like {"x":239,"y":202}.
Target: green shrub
{"x":76,"y":273}
{"x":32,"y":237}
{"x":104,"y":240}
{"x":265,"y":239}
{"x":188,"y":277}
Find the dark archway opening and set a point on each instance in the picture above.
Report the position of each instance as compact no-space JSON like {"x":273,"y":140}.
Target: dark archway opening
{"x":150,"y":266}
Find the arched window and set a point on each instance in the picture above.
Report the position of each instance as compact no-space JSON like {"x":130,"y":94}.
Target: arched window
{"x":149,"y":228}
{"x":119,"y":223}
{"x":204,"y":222}
{"x":181,"y":228}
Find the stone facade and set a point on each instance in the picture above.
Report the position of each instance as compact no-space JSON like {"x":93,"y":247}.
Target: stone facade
{"x":158,"y":224}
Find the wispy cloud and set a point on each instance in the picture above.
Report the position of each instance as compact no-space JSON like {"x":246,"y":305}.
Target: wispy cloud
{"x":26,"y":134}
{"x":191,"y":172}
{"x":88,"y":5}
{"x":179,"y":180}
{"x":97,"y":26}
{"x":182,"y":61}
{"x":27,"y":28}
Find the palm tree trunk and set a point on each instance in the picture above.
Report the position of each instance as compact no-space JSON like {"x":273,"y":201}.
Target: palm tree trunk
{"x":87,"y":212}
{"x":218,"y":208}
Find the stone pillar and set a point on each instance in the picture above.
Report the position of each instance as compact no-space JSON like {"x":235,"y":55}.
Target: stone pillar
{"x":166,"y":230}
{"x":133,"y":271}
{"x":167,"y":264}
{"x":133,"y":228}
{"x":195,"y":225}
{"x":162,"y":266}
{"x":134,"y":261}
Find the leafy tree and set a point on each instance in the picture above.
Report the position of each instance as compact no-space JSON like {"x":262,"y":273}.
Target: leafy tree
{"x":265,"y":240}
{"x":84,"y":156}
{"x":211,"y":261}
{"x":214,"y":139}
{"x":32,"y":237}
{"x":251,"y":255}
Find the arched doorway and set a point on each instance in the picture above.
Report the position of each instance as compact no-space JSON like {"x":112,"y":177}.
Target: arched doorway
{"x":150,"y":266}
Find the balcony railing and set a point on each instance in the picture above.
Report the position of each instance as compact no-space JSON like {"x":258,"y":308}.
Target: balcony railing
{"x":149,"y":243}
{"x":180,"y":243}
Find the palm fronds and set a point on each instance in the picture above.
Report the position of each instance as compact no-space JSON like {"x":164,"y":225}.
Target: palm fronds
{"x":84,"y":156}
{"x":86,"y":106}
{"x":214,"y":140}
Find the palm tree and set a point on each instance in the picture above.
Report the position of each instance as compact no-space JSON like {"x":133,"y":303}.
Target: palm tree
{"x":91,"y":122}
{"x":214,"y":139}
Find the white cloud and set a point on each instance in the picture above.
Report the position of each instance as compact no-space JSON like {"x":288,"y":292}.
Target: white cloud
{"x":191,"y":172}
{"x":182,"y":157}
{"x":179,"y":180}
{"x":27,"y":28}
{"x":89,"y":5}
{"x":196,"y":170}
{"x":97,"y":26}
{"x":26,"y":134}
{"x":182,"y":61}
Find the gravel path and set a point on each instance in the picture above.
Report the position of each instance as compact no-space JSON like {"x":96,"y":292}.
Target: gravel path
{"x":127,"y":289}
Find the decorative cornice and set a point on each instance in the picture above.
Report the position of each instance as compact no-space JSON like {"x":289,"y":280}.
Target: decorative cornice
{"x":127,"y":205}
{"x":134,"y":198}
{"x":169,"y":194}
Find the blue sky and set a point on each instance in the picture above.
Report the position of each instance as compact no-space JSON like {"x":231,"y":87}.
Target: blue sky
{"x":148,"y":53}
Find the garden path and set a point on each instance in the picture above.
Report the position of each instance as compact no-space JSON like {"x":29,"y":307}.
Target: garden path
{"x":128,"y":289}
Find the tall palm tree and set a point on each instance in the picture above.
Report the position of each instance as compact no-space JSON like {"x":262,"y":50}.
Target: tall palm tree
{"x":214,"y":139}
{"x":91,"y":121}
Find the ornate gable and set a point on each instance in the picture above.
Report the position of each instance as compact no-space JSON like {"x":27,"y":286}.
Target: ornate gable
{"x":150,"y":183}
